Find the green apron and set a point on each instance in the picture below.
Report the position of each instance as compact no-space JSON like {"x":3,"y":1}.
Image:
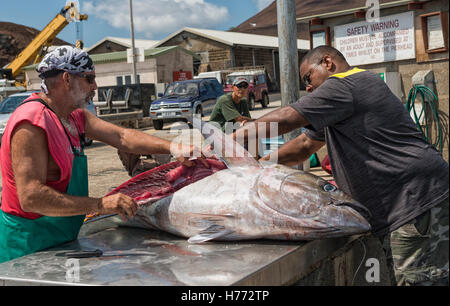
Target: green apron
{"x":20,"y":236}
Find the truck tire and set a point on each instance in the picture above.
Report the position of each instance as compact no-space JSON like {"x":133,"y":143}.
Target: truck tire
{"x":158,"y":124}
{"x":265,"y":100}
{"x":251,"y":102}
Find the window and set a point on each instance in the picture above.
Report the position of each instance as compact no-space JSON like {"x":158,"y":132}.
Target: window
{"x":435,"y":32}
{"x":203,"y":88}
{"x":319,"y":37}
{"x":119,"y":80}
{"x":211,"y":89}
{"x":11,"y":103}
{"x":261,"y":79}
{"x":217,"y":87}
{"x":182,"y":89}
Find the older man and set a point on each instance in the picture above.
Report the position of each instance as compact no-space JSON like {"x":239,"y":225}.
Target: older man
{"x":377,"y":155}
{"x":44,"y":169}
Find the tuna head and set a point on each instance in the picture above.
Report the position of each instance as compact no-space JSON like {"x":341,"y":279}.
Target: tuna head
{"x":313,"y":207}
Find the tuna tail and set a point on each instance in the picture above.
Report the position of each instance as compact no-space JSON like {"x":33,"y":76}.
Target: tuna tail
{"x":213,"y":227}
{"x":229,"y":151}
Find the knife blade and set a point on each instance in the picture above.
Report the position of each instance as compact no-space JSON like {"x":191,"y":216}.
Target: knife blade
{"x":100,"y":253}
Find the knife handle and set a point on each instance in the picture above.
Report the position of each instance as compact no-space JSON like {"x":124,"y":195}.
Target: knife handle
{"x":84,"y":254}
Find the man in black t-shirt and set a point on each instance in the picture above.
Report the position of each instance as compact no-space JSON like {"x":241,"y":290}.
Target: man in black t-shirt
{"x":377,"y":155}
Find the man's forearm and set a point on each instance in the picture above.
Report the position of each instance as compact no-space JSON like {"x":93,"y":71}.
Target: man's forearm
{"x":286,"y":119}
{"x":44,"y":200}
{"x":243,"y":118}
{"x":295,"y":151}
{"x":141,"y":143}
{"x":289,"y":155}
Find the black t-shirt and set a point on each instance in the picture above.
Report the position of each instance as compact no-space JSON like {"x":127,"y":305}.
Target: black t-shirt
{"x":376,"y":152}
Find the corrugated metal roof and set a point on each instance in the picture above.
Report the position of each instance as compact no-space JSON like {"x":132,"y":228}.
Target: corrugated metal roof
{"x":351,"y":10}
{"x":307,"y":9}
{"x":237,"y":39}
{"x":122,"y":55}
{"x":126,"y":42}
{"x":149,"y":53}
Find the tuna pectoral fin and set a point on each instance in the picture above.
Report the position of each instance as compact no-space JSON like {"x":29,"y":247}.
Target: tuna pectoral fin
{"x":213,"y":232}
{"x":212,"y":225}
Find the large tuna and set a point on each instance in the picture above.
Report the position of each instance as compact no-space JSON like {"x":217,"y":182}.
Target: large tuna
{"x":243,"y":202}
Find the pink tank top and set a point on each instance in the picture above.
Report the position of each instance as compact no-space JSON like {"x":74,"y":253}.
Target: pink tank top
{"x":59,"y":148}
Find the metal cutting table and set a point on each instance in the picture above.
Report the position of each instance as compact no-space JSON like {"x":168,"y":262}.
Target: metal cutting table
{"x":171,"y":260}
{"x":168,"y":260}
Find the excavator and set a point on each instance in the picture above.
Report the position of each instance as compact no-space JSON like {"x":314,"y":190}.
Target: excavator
{"x":37,"y":49}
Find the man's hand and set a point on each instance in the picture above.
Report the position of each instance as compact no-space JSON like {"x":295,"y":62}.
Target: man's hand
{"x":118,"y":203}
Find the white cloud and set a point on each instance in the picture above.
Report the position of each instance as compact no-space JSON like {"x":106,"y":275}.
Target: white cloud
{"x":156,"y":17}
{"x":262,"y":4}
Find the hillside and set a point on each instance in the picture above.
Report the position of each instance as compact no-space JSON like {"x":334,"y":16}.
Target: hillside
{"x":14,"y":38}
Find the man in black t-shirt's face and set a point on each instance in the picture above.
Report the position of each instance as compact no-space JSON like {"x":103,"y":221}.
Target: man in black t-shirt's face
{"x":315,"y":69}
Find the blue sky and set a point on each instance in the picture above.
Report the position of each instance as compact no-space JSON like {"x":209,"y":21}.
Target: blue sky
{"x":153,"y":19}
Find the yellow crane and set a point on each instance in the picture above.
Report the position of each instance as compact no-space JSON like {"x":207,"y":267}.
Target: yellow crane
{"x":37,"y":48}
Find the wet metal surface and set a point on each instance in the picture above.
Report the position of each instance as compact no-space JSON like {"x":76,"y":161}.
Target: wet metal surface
{"x":169,"y":260}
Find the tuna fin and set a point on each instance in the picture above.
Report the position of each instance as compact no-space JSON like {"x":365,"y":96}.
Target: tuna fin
{"x":213,"y":232}
{"x":213,"y":227}
{"x":229,"y":151}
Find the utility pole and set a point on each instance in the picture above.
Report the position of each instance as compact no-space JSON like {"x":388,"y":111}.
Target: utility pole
{"x":288,"y":56}
{"x":288,"y":52}
{"x":133,"y":54}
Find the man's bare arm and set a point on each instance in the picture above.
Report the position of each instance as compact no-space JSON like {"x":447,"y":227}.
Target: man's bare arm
{"x":136,"y":142}
{"x":243,"y":118}
{"x":295,"y":151}
{"x":286,"y":118}
{"x":30,"y":160}
{"x":127,"y":140}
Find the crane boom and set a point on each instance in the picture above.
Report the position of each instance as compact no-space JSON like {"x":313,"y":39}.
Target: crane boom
{"x":33,"y":52}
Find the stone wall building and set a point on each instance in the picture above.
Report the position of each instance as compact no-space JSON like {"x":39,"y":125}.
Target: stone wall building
{"x":220,"y":50}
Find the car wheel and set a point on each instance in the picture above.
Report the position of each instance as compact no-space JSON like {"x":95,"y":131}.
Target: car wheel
{"x":251,"y":103}
{"x":158,"y":124}
{"x":265,"y":100}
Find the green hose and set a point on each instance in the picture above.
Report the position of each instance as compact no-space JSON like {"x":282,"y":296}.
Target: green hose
{"x":429,"y":104}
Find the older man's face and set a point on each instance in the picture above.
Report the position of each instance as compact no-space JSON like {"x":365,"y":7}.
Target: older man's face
{"x":240,"y":90}
{"x":84,"y":88}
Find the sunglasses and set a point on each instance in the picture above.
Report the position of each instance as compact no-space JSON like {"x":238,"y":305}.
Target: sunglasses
{"x":89,"y":77}
{"x":307,"y":77}
{"x":242,"y":85}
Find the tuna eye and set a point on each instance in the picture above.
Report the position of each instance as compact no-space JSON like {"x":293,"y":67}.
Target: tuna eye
{"x":329,"y":187}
